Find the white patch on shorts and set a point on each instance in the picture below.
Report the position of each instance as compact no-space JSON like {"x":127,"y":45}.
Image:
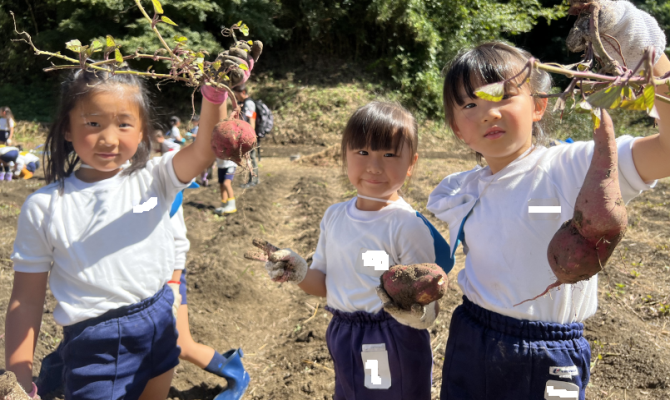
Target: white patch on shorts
{"x":376,"y":364}
{"x":559,"y":390}
{"x":564,"y":372}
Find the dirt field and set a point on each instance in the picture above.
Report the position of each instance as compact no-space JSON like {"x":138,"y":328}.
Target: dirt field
{"x":282,"y":330}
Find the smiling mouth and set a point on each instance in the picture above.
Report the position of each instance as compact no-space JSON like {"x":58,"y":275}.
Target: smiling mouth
{"x":494,"y":133}
{"x":107,"y":155}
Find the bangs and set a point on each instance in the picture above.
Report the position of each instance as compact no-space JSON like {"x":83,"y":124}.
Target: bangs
{"x":378,"y":126}
{"x":478,"y":67}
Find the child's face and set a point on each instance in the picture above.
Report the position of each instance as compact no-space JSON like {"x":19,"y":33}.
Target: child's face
{"x":500,"y":131}
{"x":379,"y":173}
{"x":106,"y":129}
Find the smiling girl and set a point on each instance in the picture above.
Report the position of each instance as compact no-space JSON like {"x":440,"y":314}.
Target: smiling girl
{"x":101,"y":235}
{"x":379,"y":148}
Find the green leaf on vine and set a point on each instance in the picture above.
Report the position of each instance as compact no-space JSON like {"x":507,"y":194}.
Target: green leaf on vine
{"x":609,"y":98}
{"x":167,"y":20}
{"x":180,"y":39}
{"x":583,"y":107}
{"x":73,"y":45}
{"x":110,"y":42}
{"x":96,"y":46}
{"x":491,"y":92}
{"x":648,"y":94}
{"x":216,"y":65}
{"x":243,"y":67}
{"x":244,"y":29}
{"x":239,"y":23}
{"x":117,"y":56}
{"x":250,"y":42}
{"x":637,"y":104}
{"x":157,"y":6}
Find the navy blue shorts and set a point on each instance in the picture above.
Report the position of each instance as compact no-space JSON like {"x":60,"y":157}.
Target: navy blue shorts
{"x":226,"y":173}
{"x":113,"y":356}
{"x":182,"y":287}
{"x":410,"y":358}
{"x":4,"y":135}
{"x":10,"y":156}
{"x":492,"y":356}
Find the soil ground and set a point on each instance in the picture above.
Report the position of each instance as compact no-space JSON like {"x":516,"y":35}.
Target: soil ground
{"x":233,"y":303}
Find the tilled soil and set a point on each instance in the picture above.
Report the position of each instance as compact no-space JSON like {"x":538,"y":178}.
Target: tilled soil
{"x":233,"y":303}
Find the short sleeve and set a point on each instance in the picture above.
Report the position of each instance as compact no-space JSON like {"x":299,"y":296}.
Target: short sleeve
{"x":319,"y":257}
{"x":181,"y":243}
{"x":163,"y":169}
{"x":249,"y":108}
{"x":32,"y":251}
{"x":12,"y":123}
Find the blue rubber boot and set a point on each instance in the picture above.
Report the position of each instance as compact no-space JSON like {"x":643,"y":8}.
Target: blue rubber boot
{"x":235,"y":374}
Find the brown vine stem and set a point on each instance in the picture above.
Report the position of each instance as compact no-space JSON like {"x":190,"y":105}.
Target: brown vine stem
{"x":158,"y":34}
{"x":611,"y":65}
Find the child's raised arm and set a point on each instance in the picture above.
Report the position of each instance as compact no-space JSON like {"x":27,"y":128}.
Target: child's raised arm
{"x":651,"y":154}
{"x":22,"y":324}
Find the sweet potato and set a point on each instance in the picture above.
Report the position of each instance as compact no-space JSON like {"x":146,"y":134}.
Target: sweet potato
{"x":583,"y":244}
{"x":416,"y":283}
{"x":232,"y":139}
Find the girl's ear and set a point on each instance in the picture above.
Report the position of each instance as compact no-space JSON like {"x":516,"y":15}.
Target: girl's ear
{"x":412,"y":164}
{"x":540,"y":108}
{"x":68,"y":136}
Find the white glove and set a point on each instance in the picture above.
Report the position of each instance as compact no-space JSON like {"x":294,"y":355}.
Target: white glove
{"x":8,"y":142}
{"x":286,"y":265}
{"x":177,"y":297}
{"x":633,"y":28}
{"x":419,"y":317}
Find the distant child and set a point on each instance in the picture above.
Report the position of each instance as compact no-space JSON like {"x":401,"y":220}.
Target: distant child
{"x":195,"y":121}
{"x":226,"y":174}
{"x":7,"y":124}
{"x":174,"y":133}
{"x":26,"y":165}
{"x":101,"y":235}
{"x":249,"y":115}
{"x":8,"y":157}
{"x":498,"y":348}
{"x":165,"y":146}
{"x":379,"y":148}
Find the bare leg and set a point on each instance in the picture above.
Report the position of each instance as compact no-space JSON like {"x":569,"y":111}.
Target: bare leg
{"x":158,"y":387}
{"x":191,"y":351}
{"x":228,"y":185}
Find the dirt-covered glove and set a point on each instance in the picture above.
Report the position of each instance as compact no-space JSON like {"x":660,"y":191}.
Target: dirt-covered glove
{"x":419,"y":317}
{"x":236,"y":63}
{"x":282,"y":265}
{"x":10,"y":389}
{"x":632,"y":28}
{"x":174,"y":285}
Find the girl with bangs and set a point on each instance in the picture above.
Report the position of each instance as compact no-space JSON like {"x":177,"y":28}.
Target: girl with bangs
{"x":500,"y":345}
{"x":379,"y":350}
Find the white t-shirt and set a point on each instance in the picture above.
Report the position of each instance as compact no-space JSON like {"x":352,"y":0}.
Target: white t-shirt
{"x":181,"y":242}
{"x":169,"y":145}
{"x":347,"y":233}
{"x":506,"y":261}
{"x":6,"y":149}
{"x":100,"y":252}
{"x":6,"y":124}
{"x":249,"y":110}
{"x":225,"y":163}
{"x":175,"y":134}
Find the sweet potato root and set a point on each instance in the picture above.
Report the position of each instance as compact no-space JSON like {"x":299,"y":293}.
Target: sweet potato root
{"x":416,"y":283}
{"x":583,"y":244}
{"x":232,"y":139}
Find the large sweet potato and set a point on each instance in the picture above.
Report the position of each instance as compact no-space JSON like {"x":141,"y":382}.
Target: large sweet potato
{"x":583,"y":244}
{"x":416,"y":283}
{"x":232,"y":139}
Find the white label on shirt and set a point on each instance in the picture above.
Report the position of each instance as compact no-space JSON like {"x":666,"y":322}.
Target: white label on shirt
{"x":564,"y":372}
{"x":544,"y":209}
{"x":378,"y":259}
{"x":146,"y":206}
{"x":376,"y":363}
{"x":559,"y":390}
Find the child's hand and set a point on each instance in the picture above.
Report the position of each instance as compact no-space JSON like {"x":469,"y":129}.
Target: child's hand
{"x":419,"y":317}
{"x":632,"y":28}
{"x":282,"y":265}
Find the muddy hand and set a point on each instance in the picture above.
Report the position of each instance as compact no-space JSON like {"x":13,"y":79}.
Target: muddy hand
{"x":418,"y":317}
{"x":266,"y":250}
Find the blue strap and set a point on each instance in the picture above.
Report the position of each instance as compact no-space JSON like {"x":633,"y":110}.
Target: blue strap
{"x":180,"y":198}
{"x":460,"y":238}
{"x":443,"y":256}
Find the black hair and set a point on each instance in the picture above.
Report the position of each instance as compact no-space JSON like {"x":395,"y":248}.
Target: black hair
{"x":195,"y":118}
{"x":60,"y":157}
{"x":242,"y":88}
{"x":174,"y":120}
{"x":487,"y":63}
{"x":380,"y":126}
